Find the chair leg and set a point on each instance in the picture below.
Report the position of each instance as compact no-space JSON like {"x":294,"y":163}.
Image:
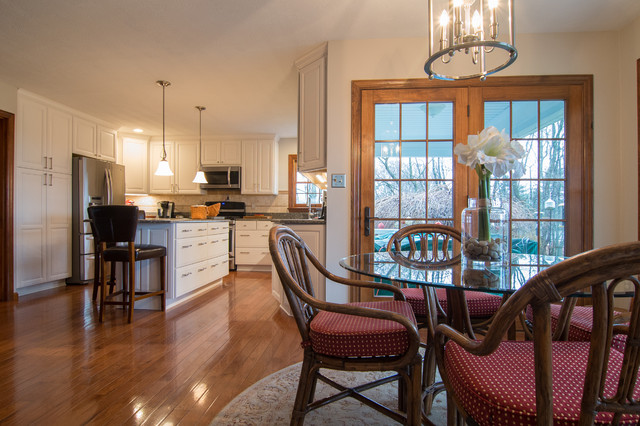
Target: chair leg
{"x":103,"y":289}
{"x":414,"y":393}
{"x":304,"y":394}
{"x":429,"y":375}
{"x":112,"y":278}
{"x":163,"y":282}
{"x":132,"y":288}
{"x":97,"y":276}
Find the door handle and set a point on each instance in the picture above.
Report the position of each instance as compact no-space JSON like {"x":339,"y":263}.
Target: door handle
{"x":367,"y":220}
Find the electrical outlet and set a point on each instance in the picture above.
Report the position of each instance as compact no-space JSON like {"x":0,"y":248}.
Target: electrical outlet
{"x":339,"y":181}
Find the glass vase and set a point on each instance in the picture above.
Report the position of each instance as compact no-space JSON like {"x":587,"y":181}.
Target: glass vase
{"x":485,"y":234}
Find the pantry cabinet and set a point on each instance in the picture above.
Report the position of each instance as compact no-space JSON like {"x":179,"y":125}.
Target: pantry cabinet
{"x":183,"y":159}
{"x":44,"y":135}
{"x":259,"y":167}
{"x":221,"y":153}
{"x":312,"y":110}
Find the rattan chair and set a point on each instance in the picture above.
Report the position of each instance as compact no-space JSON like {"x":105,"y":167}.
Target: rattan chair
{"x":548,"y":381}
{"x":366,"y":336}
{"x":113,"y":224}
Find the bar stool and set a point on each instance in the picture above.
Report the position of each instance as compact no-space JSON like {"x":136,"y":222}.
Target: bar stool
{"x":113,"y":224}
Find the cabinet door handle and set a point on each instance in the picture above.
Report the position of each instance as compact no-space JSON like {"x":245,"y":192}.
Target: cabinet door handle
{"x":202,"y":244}
{"x":186,"y":230}
{"x":244,"y":252}
{"x":45,"y":179}
{"x":50,"y":179}
{"x":186,"y":275}
{"x":51,"y":163}
{"x":214,"y":242}
{"x":186,"y":247}
{"x":200,"y":229}
{"x":202,"y":269}
{"x":45,"y":161}
{"x":244,"y":235}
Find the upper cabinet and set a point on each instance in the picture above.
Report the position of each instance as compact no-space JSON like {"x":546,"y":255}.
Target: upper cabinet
{"x":44,"y":135}
{"x":259,"y":167}
{"x":134,"y":158}
{"x":93,"y":140}
{"x":221,"y":153}
{"x":183,"y":160}
{"x":312,"y":110}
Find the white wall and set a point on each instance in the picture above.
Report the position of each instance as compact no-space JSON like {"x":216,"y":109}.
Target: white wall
{"x":286,"y":146}
{"x":8,"y":98}
{"x":576,"y":53}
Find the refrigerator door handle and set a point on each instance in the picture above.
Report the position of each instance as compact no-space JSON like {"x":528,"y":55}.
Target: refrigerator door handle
{"x":107,"y":179}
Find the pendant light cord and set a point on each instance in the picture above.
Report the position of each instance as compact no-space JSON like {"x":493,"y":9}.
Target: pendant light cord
{"x":164,"y":150}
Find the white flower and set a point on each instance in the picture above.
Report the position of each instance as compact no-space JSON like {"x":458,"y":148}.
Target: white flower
{"x":493,"y":150}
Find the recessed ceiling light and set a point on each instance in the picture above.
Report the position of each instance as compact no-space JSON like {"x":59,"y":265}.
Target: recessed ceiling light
{"x":138,"y":130}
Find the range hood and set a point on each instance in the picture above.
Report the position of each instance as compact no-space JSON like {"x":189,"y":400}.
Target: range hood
{"x":318,"y":178}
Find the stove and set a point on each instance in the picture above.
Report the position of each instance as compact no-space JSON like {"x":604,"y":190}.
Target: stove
{"x":230,"y":210}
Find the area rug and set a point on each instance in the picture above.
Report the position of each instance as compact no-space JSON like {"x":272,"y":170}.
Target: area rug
{"x":270,"y":401}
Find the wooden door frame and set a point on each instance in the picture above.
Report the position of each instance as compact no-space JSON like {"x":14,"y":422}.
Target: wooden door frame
{"x":359,"y":86}
{"x":7,"y":132}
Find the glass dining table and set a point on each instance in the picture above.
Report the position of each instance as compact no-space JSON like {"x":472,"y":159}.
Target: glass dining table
{"x":407,"y":268}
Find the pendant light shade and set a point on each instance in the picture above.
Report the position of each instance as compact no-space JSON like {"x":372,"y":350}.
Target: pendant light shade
{"x":200,"y":178}
{"x":163,"y":166}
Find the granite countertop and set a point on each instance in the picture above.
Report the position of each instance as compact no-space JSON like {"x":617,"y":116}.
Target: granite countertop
{"x":175,"y":220}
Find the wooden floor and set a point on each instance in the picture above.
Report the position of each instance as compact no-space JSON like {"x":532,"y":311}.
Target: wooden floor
{"x":58,"y":365}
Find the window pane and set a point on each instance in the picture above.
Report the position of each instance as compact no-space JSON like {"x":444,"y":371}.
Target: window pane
{"x":382,"y":231}
{"x":387,"y":121}
{"x":387,"y":164}
{"x":414,"y":160}
{"x":414,"y":121}
{"x":500,"y":193}
{"x":525,"y":119}
{"x":440,"y":160}
{"x":301,"y":178}
{"x":552,"y":159}
{"x":524,"y":237}
{"x":497,"y":114}
{"x":552,"y":200}
{"x":414,"y":199}
{"x":530,"y":160}
{"x":387,"y":199}
{"x":524,"y":204}
{"x":440,"y":200}
{"x":551,"y":119}
{"x":440,"y":120}
{"x":552,"y":238}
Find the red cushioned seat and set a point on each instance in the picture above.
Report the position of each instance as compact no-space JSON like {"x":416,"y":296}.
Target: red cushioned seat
{"x":500,"y":388}
{"x":580,"y":325}
{"x":342,"y":335}
{"x":480,"y":304}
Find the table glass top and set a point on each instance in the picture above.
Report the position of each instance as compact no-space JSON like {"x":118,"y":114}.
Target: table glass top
{"x":483,"y":276}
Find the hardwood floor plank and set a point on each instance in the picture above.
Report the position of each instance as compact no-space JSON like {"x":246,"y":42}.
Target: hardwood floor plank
{"x":58,"y":365}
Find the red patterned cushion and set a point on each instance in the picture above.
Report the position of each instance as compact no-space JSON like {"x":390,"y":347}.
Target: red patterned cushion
{"x":480,"y":304}
{"x":500,"y":388}
{"x":580,"y":325}
{"x":343,"y":335}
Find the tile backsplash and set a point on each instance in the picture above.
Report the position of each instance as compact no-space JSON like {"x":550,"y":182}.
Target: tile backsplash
{"x":255,"y":203}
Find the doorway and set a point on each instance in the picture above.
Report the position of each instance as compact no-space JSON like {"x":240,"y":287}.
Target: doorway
{"x":7,"y":126}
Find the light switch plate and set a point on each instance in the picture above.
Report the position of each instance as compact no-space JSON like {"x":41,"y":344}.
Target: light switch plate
{"x":339,"y":181}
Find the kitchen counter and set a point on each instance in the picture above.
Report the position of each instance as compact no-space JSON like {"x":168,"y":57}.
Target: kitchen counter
{"x":300,"y":221}
{"x":176,"y":220}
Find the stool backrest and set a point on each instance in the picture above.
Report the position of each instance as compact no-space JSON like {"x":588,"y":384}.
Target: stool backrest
{"x":114,"y":223}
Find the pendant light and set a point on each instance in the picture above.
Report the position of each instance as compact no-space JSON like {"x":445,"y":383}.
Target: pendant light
{"x":200,"y":178}
{"x":163,"y":166}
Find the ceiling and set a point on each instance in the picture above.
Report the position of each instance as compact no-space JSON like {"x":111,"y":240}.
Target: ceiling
{"x":236,"y":57}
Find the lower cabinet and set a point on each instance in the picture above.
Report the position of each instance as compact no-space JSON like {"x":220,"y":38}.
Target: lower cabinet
{"x":197,"y":256}
{"x":252,"y":245}
{"x":314,"y":237}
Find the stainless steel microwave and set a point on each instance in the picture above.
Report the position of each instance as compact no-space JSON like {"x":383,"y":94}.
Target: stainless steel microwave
{"x":221,"y":177}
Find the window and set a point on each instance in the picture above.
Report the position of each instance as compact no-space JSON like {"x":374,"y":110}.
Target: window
{"x":302,"y":193}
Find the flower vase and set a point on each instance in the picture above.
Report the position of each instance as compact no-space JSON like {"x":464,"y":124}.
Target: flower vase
{"x":485,"y":234}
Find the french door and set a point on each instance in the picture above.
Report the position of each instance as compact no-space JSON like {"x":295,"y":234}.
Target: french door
{"x":405,"y":172}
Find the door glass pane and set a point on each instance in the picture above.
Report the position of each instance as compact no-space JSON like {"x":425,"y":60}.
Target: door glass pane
{"x":414,"y":121}
{"x":534,"y":201}
{"x":387,"y":122}
{"x":413,"y":170}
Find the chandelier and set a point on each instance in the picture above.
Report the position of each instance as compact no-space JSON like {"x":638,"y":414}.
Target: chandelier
{"x":200,"y":177}
{"x":481,"y":29}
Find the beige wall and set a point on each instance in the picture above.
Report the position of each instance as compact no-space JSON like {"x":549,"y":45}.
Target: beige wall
{"x":8,"y":98}
{"x":286,"y":146}
{"x":576,"y":53}
{"x":629,"y":52}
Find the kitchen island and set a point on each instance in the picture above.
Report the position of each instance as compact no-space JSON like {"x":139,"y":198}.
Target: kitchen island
{"x":197,"y":257}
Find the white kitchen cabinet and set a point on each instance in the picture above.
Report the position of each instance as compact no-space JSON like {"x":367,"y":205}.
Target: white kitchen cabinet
{"x":252,"y":245}
{"x":259,"y":167}
{"x":136,"y":172}
{"x":106,"y":149}
{"x":43,"y":227}
{"x":312,"y":110}
{"x":314,"y":238}
{"x":221,"y":153}
{"x":93,"y":140}
{"x":183,"y":160}
{"x":44,"y":136}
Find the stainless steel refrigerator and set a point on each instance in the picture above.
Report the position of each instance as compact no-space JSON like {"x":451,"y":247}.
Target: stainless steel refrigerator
{"x":95,"y":182}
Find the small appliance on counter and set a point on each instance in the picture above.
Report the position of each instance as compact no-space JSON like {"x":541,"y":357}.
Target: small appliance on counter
{"x":166,"y":209}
